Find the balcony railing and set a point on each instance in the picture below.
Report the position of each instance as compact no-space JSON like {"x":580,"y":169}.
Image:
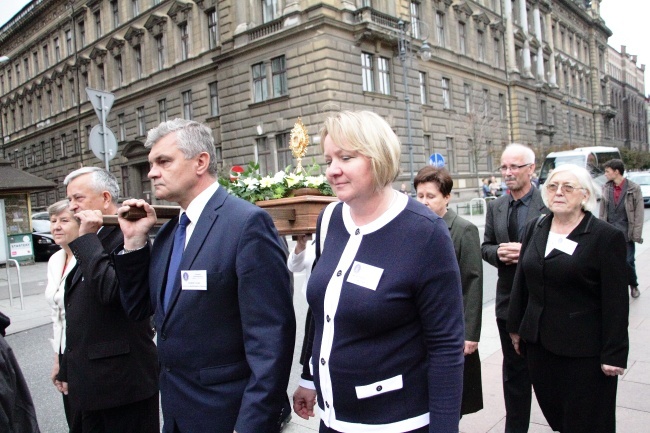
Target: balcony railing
{"x":265,"y":29}
{"x":370,"y":15}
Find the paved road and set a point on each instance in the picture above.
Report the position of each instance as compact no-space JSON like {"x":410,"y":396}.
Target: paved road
{"x":35,"y":355}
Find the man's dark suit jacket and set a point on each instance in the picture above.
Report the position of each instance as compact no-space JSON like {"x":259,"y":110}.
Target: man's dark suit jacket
{"x":496,"y":232}
{"x":225,"y":352}
{"x":574,"y":305}
{"x":110,"y":360}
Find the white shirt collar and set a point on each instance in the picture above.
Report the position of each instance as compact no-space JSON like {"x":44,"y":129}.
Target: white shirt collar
{"x":195,"y":208}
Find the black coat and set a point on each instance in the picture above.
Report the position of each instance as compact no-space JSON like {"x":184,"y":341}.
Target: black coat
{"x":17,"y":414}
{"x":574,"y":305}
{"x":110,"y":360}
{"x":496,"y":232}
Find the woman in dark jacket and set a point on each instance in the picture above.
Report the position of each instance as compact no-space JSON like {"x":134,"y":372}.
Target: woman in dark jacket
{"x":568,"y":311}
{"x":433,"y":187}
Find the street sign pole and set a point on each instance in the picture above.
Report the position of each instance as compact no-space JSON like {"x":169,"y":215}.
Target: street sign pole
{"x":104,"y":132}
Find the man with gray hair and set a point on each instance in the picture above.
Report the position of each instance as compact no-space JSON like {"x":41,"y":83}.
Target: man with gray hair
{"x":110,"y":364}
{"x":505,"y":221}
{"x":218,"y":286}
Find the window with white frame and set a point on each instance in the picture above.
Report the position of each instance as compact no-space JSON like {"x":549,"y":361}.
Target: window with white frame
{"x":135,"y":8}
{"x":446,"y":93}
{"x":160,"y":50}
{"x":279,"y":76}
{"x":68,"y":41}
{"x":36,"y":68}
{"x":46,"y":56}
{"x":526,"y":110}
{"x":260,"y":89}
{"x":283,"y":150}
{"x":57,"y":51}
{"x":467,"y":89}
{"x":185,"y":41}
{"x":367,"y":72}
{"x":213,"y":29}
{"x":497,"y":53}
{"x":142,"y":124}
{"x":115,"y":11}
{"x":422,"y":78}
{"x":62,"y":146}
{"x":451,"y":155}
{"x":214,"y":99}
{"x":486,"y":102}
{"x":264,"y":157}
{"x":502,"y":106}
{"x":187,"y":105}
{"x":480,"y":36}
{"x":82,"y":33}
{"x":98,"y":24}
{"x":462,"y":38}
{"x":269,"y":10}
{"x":121,"y":126}
{"x":119,"y":69}
{"x":137,"y":56}
{"x":383,"y":70}
{"x":162,"y":110}
{"x":440,"y":29}
{"x":415,"y":19}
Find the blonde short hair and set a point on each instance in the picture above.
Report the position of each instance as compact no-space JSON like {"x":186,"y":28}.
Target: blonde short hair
{"x":370,"y":135}
{"x":584,"y":179}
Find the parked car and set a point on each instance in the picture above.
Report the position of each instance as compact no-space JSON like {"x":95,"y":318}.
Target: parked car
{"x":44,"y":246}
{"x":40,"y":222}
{"x":643,"y":179}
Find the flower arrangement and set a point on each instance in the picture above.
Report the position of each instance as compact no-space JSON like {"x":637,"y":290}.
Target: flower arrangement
{"x":251,"y":186}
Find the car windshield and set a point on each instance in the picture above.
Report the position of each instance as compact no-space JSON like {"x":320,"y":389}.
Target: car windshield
{"x":641,"y":179}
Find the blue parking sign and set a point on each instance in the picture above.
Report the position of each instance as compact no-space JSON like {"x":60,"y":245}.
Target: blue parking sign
{"x":437,"y":160}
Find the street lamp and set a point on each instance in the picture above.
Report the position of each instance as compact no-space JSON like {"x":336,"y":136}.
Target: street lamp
{"x":405,"y":54}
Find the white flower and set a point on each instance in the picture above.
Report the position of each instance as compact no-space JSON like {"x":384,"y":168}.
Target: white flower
{"x":293,"y":179}
{"x":267,"y":182}
{"x":251,"y":183}
{"x":279,"y":177}
{"x":315,"y":181}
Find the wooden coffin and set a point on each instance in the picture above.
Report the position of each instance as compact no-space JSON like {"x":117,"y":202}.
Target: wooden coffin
{"x":296,"y":215}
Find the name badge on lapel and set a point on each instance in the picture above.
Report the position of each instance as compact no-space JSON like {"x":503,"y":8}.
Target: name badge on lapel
{"x":566,"y":246}
{"x":365,"y":275}
{"x":194,"y":280}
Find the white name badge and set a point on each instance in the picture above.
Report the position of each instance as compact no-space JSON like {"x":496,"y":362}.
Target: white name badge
{"x":194,"y":280}
{"x":365,"y":275}
{"x":566,"y":246}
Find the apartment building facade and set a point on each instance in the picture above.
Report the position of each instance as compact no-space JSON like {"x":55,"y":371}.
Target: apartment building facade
{"x":530,"y":71}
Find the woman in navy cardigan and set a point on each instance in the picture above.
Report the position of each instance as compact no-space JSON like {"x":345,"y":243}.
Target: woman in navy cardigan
{"x":386,"y":341}
{"x":568,"y":312}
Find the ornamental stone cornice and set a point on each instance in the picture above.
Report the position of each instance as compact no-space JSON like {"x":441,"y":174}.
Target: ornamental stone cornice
{"x":115,"y":45}
{"x":98,"y":54}
{"x":462,"y":10}
{"x":134,"y":36}
{"x":179,"y":12}
{"x":497,"y":26}
{"x":156,"y":23}
{"x":208,"y":4}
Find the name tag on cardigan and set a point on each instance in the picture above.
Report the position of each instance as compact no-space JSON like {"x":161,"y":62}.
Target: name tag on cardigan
{"x":364,"y":275}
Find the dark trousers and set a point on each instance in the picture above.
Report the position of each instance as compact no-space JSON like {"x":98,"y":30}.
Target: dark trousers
{"x":517,"y":392}
{"x":631,"y":265}
{"x":574,"y":394}
{"x":139,"y":417}
{"x":324,"y":429}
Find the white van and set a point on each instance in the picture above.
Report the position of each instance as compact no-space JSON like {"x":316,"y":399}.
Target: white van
{"x":592,"y":158}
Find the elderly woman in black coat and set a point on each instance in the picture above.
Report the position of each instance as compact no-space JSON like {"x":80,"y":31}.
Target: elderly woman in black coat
{"x":568,"y":311}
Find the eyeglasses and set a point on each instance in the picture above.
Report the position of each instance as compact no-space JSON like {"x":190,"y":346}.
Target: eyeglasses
{"x":565,"y":187}
{"x":514,"y":168}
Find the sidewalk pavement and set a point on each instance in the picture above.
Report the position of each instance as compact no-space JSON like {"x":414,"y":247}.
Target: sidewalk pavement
{"x":633,"y":402}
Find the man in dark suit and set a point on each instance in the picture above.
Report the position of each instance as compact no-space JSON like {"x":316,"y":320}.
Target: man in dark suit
{"x":504,"y":225}
{"x":110,"y":363}
{"x":217,"y":283}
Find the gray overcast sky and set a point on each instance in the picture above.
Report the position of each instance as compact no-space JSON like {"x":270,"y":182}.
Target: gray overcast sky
{"x":626,"y":18}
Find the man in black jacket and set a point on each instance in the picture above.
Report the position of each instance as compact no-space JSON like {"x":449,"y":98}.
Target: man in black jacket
{"x":110,"y":362}
{"x":505,"y":221}
{"x":17,"y":414}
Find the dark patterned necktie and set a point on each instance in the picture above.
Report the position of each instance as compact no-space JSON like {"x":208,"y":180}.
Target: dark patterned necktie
{"x":513,"y":224}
